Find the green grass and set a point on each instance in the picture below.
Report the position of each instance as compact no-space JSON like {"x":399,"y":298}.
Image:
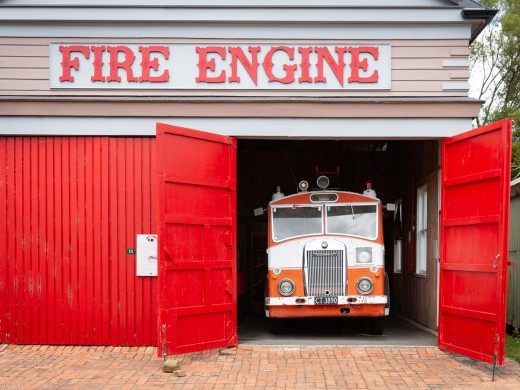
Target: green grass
{"x":513,"y":348}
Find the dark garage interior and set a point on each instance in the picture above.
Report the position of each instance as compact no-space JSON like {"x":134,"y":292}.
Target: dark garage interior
{"x":396,"y":168}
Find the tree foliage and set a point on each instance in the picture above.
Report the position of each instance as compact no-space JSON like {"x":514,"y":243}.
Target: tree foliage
{"x":496,"y":55}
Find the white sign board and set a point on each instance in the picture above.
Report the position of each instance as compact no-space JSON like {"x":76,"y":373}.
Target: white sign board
{"x":146,"y":255}
{"x":281,"y":66}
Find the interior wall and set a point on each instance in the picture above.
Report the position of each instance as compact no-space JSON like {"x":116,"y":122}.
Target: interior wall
{"x":419,"y":292}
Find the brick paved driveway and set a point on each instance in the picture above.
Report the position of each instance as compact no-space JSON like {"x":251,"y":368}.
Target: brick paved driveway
{"x":248,"y":367}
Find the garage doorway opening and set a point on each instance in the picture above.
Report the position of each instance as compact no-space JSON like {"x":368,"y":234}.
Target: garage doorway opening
{"x":397,"y":168}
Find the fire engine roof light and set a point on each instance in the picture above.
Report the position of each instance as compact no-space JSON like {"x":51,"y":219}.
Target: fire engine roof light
{"x":278,"y":194}
{"x":303,"y":186}
{"x":369,"y":190}
{"x":323,"y":182}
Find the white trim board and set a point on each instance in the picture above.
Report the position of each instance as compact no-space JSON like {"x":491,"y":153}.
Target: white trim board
{"x":273,"y":128}
{"x":231,"y":31}
{"x":242,"y":15}
{"x":227,"y":3}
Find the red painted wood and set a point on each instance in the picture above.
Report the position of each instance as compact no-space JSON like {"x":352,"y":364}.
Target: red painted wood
{"x":49,"y":159}
{"x":81,"y":258}
{"x":148,"y":326}
{"x":130,"y":238}
{"x":34,"y":270}
{"x":66,"y":160}
{"x":114,"y":261}
{"x":11,"y":250}
{"x":138,"y":223}
{"x":3,"y":242}
{"x":197,"y":240}
{"x":19,"y":245}
{"x":72,"y":207}
{"x":474,"y":242}
{"x":97,"y":240}
{"x":153,"y":294}
{"x":87,"y":211}
{"x":42,"y":237}
{"x":104,"y":242}
{"x":122,"y":257}
{"x":25,"y":275}
{"x":75,"y":271}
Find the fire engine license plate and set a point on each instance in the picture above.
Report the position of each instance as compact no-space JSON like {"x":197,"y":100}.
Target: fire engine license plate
{"x":325,"y":300}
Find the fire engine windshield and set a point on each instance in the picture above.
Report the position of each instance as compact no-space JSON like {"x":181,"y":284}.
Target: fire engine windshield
{"x":296,"y":221}
{"x":353,"y":220}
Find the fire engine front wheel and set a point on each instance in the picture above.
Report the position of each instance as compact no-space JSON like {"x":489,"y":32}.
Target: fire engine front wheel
{"x":277,"y":325}
{"x":376,"y":325}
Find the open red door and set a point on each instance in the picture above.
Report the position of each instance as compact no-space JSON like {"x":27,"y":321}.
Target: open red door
{"x":197,"y":230}
{"x":474,"y":234}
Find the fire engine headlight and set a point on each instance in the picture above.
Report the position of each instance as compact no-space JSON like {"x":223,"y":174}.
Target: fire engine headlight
{"x":364,"y":285}
{"x":363,"y":255}
{"x":286,"y":287}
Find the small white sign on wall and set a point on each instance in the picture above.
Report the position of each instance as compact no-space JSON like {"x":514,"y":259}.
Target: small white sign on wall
{"x":146,"y":255}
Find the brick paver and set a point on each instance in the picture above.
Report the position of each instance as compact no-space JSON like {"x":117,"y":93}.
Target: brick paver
{"x":249,"y":367}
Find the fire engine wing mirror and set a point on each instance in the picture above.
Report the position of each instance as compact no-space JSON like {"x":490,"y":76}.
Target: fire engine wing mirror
{"x":390,"y":206}
{"x":259,"y":211}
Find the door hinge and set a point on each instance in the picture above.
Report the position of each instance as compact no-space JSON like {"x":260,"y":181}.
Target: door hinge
{"x":497,"y":340}
{"x":164,"y":342}
{"x":229,"y":287}
{"x":495,"y":262}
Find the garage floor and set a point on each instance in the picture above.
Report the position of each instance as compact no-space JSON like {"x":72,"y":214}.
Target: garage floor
{"x":333,"y":331}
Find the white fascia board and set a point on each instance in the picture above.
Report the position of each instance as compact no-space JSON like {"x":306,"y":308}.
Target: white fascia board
{"x":229,"y":3}
{"x":267,"y":128}
{"x":230,"y":31}
{"x":257,"y":15}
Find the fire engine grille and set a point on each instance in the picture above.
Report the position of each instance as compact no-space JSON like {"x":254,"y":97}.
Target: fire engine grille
{"x":324,"y":273}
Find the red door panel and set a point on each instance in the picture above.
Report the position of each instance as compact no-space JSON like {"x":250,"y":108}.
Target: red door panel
{"x":77,"y":203}
{"x":474,"y":251}
{"x":197,"y":230}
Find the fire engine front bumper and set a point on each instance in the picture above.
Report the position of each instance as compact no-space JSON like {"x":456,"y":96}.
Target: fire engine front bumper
{"x":320,"y":301}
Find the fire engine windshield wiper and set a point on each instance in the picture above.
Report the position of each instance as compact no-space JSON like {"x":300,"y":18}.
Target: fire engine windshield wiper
{"x":352,"y":210}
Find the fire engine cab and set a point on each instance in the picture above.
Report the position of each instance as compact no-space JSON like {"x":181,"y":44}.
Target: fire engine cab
{"x":326,"y":256}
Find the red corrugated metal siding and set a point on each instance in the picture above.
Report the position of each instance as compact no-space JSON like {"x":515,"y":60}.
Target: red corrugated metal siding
{"x":71,"y":206}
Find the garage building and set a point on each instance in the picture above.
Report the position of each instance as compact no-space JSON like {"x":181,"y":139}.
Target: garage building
{"x":281,"y":89}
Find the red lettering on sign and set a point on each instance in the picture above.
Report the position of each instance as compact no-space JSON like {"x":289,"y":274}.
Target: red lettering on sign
{"x":148,"y":63}
{"x":356,"y":64}
{"x":98,"y":63}
{"x":204,"y":64}
{"x":305,"y":64}
{"x":125,"y":64}
{"x":231,"y":65}
{"x":67,"y":63}
{"x":251,"y":67}
{"x":289,"y":69}
{"x":337,"y":67}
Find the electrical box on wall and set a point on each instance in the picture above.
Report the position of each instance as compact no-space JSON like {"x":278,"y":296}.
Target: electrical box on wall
{"x":146,"y":255}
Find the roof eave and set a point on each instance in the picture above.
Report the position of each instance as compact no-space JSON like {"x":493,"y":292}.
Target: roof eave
{"x":484,"y":14}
